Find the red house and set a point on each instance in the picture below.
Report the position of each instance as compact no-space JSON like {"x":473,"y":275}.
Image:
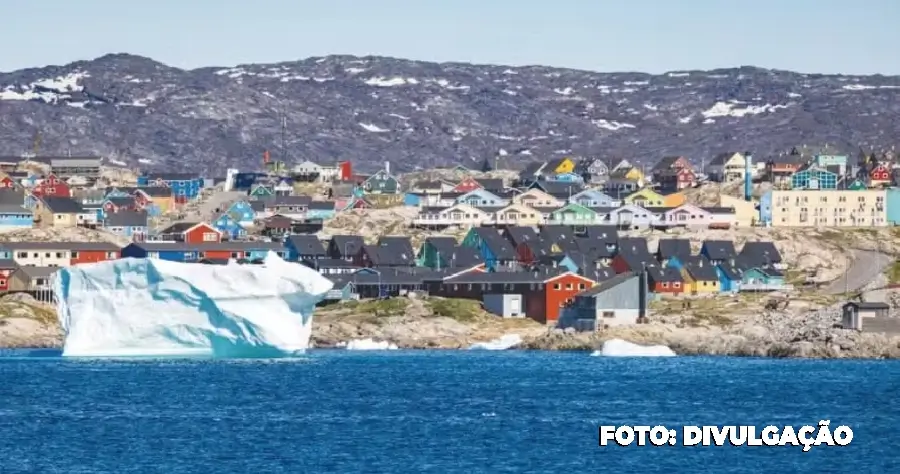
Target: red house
{"x":52,"y":186}
{"x":191,"y":233}
{"x":556,"y":292}
{"x":880,"y":174}
{"x":7,"y":267}
{"x":345,"y":171}
{"x":466,"y":185}
{"x":116,"y":203}
{"x":7,"y":182}
{"x":664,"y":280}
{"x":92,"y":252}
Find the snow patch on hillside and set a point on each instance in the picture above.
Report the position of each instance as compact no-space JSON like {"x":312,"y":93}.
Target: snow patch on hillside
{"x":734,"y":109}
{"x":611,"y":124}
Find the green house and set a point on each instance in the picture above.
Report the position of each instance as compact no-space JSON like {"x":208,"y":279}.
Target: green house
{"x":573,"y":214}
{"x":434,"y":250}
{"x":381,"y":183}
{"x":261,"y":190}
{"x":857,"y":185}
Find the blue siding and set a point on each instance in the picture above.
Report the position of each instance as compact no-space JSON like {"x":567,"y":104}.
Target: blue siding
{"x":127,"y":231}
{"x":227,"y":226}
{"x":185,"y":188}
{"x":727,"y":284}
{"x":892,"y":205}
{"x":242,"y":211}
{"x":765,"y":209}
{"x":16,"y":220}
{"x":320,"y":213}
{"x":135,"y":251}
{"x":412,"y":199}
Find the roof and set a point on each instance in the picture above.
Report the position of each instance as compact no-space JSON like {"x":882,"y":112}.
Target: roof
{"x":663,"y":274}
{"x":500,"y":247}
{"x":732,"y":269}
{"x":306,"y":245}
{"x":126,"y":219}
{"x":13,"y":209}
{"x":62,"y":205}
{"x":666,"y":163}
{"x":700,"y":269}
{"x":156,"y":191}
{"x":121,"y":201}
{"x":605,"y":233}
{"x":607,"y":284}
{"x":721,"y":158}
{"x":719,"y":249}
{"x":11,"y":197}
{"x":208,"y":246}
{"x":181,"y":227}
{"x":347,"y":245}
{"x":442,"y":244}
{"x":321,"y":205}
{"x":669,"y":248}
{"x":532,"y":170}
{"x":520,"y":235}
{"x":633,"y":246}
{"x":868,"y":305}
{"x":491,"y":184}
{"x":760,"y":253}
{"x":461,"y":257}
{"x":37,"y":272}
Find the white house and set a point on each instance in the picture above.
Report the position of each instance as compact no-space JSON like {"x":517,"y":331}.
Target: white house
{"x":726,"y":167}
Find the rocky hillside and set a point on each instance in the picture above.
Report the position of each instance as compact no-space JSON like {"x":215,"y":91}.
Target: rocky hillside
{"x":419,"y":115}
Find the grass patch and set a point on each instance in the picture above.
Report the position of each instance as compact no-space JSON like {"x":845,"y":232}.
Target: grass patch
{"x":456,"y":308}
{"x":709,"y":318}
{"x":43,"y":314}
{"x":378,"y":308}
{"x":893,"y":272}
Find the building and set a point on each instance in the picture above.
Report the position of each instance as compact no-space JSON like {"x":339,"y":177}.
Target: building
{"x":66,"y":167}
{"x":185,"y":186}
{"x":381,"y":182}
{"x":61,"y":254}
{"x":52,"y":186}
{"x":15,"y":217}
{"x":194,"y":252}
{"x":869,"y":317}
{"x":618,"y":301}
{"x":831,"y":208}
{"x":191,"y":233}
{"x":726,"y":167}
{"x":59,"y":212}
{"x":130,"y":224}
{"x":32,"y":279}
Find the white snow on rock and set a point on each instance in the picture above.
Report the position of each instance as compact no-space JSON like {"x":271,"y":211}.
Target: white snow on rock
{"x":611,"y":125}
{"x":622,"y":348}
{"x":380,"y":81}
{"x":864,"y":87}
{"x":47,"y":90}
{"x":369,"y":345}
{"x":734,"y":109}
{"x":502,"y":343}
{"x":156,"y":308}
{"x":372,"y":128}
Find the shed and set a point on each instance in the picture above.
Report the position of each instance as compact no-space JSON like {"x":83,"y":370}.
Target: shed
{"x":854,"y":313}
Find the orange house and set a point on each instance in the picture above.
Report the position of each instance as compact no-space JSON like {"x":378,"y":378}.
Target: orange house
{"x":556,"y":292}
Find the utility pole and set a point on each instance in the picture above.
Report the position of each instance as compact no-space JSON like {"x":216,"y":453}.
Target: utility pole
{"x":284,"y":138}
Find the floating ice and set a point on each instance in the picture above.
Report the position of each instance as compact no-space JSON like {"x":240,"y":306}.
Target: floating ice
{"x":621,"y":348}
{"x":369,"y":345}
{"x":502,"y":343}
{"x":151,"y":308}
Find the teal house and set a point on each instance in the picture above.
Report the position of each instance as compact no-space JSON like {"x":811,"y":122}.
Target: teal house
{"x":892,"y":205}
{"x":762,"y":278}
{"x":814,"y":177}
{"x":241,"y":212}
{"x":320,"y":210}
{"x":228,"y":226}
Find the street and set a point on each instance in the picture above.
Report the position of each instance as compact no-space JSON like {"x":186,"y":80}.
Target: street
{"x":865,"y":267}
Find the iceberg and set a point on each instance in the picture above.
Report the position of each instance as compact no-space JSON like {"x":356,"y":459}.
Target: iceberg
{"x":156,"y":308}
{"x":369,"y":345}
{"x":502,"y":343}
{"x":622,"y":348}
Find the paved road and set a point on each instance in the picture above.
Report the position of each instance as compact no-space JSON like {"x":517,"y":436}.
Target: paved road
{"x":205,"y":209}
{"x":865,"y":267}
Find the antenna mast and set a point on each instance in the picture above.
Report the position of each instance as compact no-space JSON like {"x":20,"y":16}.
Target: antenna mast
{"x":284,"y":138}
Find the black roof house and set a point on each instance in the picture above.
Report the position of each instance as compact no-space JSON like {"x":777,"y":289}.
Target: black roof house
{"x":700,"y":269}
{"x":634,"y":246}
{"x":760,"y":253}
{"x":397,"y":243}
{"x":668,"y":248}
{"x":718,"y":250}
{"x":501,"y":248}
{"x":519,"y":235}
{"x":345,"y":246}
{"x":308,"y":247}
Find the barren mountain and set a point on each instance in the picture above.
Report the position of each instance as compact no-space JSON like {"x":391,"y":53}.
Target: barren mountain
{"x":417,"y":114}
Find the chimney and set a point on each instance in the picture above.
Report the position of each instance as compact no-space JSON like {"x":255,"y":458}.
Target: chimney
{"x":642,"y":297}
{"x":748,"y":176}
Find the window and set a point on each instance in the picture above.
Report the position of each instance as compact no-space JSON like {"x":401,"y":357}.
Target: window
{"x":581,"y":286}
{"x":556,"y":286}
{"x":22,"y":254}
{"x":568,"y":286}
{"x":609,"y":314}
{"x":210,"y":237}
{"x":665,"y":284}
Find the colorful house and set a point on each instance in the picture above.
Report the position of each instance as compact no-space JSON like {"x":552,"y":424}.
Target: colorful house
{"x":15,"y":217}
{"x":229,"y":226}
{"x":262,"y":191}
{"x":194,"y":252}
{"x":594,"y":198}
{"x":320,"y":210}
{"x":495,"y":251}
{"x":185,"y":186}
{"x":191,"y":233}
{"x":241,"y":212}
{"x":814,"y":177}
{"x":879,"y":175}
{"x":467,"y":184}
{"x":482,"y":198}
{"x":561,"y":166}
{"x":699,"y":276}
{"x":381,"y":182}
{"x":730,"y":276}
{"x":575,"y":214}
{"x":155,"y":199}
{"x":130,"y":224}
{"x":762,"y":278}
{"x":646,"y":198}
{"x":52,"y":186}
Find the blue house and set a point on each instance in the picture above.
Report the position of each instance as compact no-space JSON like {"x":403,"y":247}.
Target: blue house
{"x":241,"y":212}
{"x":730,"y":277}
{"x":185,"y":186}
{"x":412,"y":199}
{"x":229,"y":227}
{"x":892,"y":205}
{"x":482,"y":198}
{"x":304,"y":247}
{"x":320,"y":210}
{"x":131,"y":224}
{"x":6,"y":254}
{"x":496,"y":251}
{"x":15,"y":217}
{"x":765,"y":209}
{"x":568,"y":262}
{"x":567,"y":178}
{"x":761,"y":278}
{"x":30,"y":201}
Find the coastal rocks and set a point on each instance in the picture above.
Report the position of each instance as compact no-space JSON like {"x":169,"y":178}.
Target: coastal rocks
{"x":26,"y":323}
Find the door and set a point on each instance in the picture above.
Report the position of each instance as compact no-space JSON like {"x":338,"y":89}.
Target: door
{"x":515,"y":305}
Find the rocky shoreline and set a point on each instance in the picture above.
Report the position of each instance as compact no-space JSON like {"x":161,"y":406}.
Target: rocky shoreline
{"x":727,"y":329}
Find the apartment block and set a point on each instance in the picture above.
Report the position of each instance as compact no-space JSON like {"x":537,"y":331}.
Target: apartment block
{"x":831,"y":208}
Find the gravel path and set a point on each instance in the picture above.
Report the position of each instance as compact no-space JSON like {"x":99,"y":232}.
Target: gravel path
{"x":865,"y":267}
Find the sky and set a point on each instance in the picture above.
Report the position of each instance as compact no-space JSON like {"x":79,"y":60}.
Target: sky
{"x":812,"y":36}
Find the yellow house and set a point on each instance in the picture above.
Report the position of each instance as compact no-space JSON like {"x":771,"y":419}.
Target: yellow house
{"x":674,"y":199}
{"x":562,"y":165}
{"x":161,"y":196}
{"x":519,"y":215}
{"x":634,"y":174}
{"x":537,"y":198}
{"x":699,"y":276}
{"x":57,"y":212}
{"x":646,"y":198}
{"x":745,"y":212}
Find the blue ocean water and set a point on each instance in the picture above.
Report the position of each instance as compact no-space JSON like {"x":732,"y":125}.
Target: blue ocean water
{"x":441,"y":412}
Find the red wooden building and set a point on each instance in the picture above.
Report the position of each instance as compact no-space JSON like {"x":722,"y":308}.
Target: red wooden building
{"x":52,"y":186}
{"x":191,"y":233}
{"x":7,"y":267}
{"x":92,"y":252}
{"x":7,"y":182}
{"x":557,"y":292}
